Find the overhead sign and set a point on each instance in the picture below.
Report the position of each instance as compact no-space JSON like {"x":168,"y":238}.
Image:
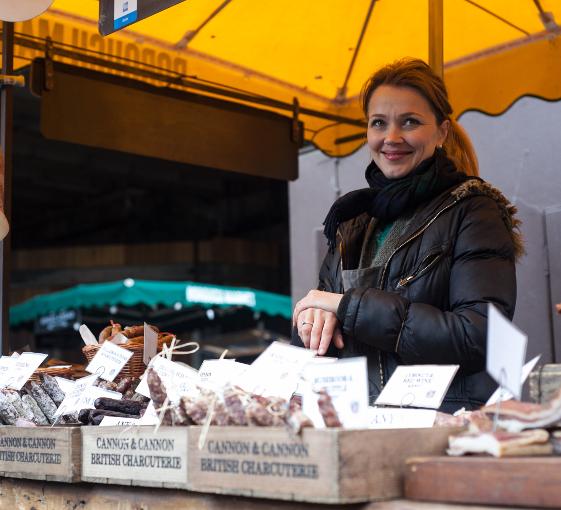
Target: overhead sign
{"x":117,"y":14}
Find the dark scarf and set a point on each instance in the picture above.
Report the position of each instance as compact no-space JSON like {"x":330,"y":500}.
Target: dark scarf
{"x":386,"y":199}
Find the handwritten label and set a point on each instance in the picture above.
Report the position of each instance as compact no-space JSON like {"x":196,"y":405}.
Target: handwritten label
{"x":219,"y":372}
{"x":418,"y":386}
{"x":111,"y":421}
{"x":109,"y":361}
{"x":391,"y":418}
{"x":135,"y":454}
{"x":276,"y":371}
{"x":506,"y":351}
{"x":72,"y":399}
{"x":150,"y":344}
{"x":16,"y":371}
{"x":178,"y":379}
{"x":346,"y":382}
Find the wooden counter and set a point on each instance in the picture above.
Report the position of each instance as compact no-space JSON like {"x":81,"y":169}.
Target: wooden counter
{"x":41,"y":495}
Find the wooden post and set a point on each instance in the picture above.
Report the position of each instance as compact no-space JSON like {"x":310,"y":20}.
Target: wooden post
{"x":6,"y":125}
{"x":436,"y":36}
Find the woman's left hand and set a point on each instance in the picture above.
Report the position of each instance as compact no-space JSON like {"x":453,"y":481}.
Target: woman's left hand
{"x":328,"y":301}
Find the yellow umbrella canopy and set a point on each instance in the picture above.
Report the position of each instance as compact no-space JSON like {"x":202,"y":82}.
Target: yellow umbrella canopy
{"x":321,"y":52}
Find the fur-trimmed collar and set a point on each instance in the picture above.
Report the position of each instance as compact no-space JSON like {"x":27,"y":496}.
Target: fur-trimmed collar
{"x":508,"y":210}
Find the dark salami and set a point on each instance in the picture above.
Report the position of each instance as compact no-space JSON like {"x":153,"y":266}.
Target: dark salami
{"x":124,"y":384}
{"x":121,"y":406}
{"x":96,"y":415}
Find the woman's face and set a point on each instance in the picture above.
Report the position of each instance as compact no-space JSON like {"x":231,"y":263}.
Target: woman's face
{"x":402,"y":130}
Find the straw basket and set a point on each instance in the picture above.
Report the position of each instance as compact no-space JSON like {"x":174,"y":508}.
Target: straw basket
{"x":65,"y":372}
{"x":135,"y":366}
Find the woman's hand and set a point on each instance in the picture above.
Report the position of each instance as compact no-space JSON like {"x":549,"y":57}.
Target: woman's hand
{"x":318,"y":328}
{"x":315,"y":318}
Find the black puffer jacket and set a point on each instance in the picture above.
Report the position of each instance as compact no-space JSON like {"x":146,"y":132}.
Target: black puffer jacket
{"x":429,"y":305}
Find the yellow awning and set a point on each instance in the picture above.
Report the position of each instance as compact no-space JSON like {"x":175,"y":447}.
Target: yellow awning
{"x":495,"y":51}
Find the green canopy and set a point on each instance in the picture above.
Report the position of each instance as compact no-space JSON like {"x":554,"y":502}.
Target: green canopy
{"x":131,"y":292}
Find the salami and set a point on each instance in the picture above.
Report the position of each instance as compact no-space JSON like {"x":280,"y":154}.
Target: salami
{"x":43,"y":400}
{"x":52,"y":389}
{"x":327,"y":410}
{"x":38,"y":416}
{"x":8,"y":413}
{"x":121,"y":406}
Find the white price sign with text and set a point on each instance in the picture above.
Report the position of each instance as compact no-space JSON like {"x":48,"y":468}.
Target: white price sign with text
{"x":109,"y":361}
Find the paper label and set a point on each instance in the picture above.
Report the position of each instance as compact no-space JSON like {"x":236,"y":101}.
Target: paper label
{"x":16,"y":371}
{"x":87,"y":336}
{"x":506,"y":395}
{"x":72,"y":401}
{"x":277,"y":371}
{"x":150,"y":344}
{"x":219,"y":372}
{"x":391,"y":418}
{"x":109,"y":361}
{"x":178,"y":379}
{"x":110,"y":421}
{"x":346,"y":382}
{"x":418,"y":386}
{"x":506,"y":351}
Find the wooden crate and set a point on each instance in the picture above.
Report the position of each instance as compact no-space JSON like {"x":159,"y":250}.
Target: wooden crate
{"x":328,"y":466}
{"x":135,"y":456}
{"x":41,"y":453}
{"x":533,"y":482}
{"x":545,"y":381}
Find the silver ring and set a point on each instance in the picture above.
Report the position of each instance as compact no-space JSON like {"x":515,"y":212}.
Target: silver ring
{"x":304,"y":323}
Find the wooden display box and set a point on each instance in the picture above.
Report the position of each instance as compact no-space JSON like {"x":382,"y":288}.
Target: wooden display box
{"x":135,"y":456}
{"x":533,"y":482}
{"x":328,"y":466}
{"x":41,"y":453}
{"x":545,"y":382}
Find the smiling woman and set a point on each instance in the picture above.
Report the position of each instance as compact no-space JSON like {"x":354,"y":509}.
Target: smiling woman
{"x":415,"y":258}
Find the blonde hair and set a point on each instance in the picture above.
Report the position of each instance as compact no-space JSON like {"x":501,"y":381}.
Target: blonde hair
{"x":416,"y":74}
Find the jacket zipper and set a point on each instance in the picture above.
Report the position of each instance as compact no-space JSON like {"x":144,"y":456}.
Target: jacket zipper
{"x":414,"y":236}
{"x":403,"y":282}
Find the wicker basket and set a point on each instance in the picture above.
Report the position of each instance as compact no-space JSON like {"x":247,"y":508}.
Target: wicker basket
{"x":65,"y":372}
{"x":135,"y":366}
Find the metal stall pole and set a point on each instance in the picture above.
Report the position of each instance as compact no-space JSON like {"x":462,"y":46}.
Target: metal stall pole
{"x":436,"y":36}
{"x":6,"y":128}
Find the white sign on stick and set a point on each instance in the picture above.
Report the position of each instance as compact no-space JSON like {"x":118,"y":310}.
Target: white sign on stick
{"x":346,"y":382}
{"x":15,"y":371}
{"x":506,"y":395}
{"x":417,"y":386}
{"x":506,"y":351}
{"x":150,"y":344}
{"x":109,"y":361}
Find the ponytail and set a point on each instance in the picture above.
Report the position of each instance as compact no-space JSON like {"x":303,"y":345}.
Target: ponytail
{"x":460,"y":150}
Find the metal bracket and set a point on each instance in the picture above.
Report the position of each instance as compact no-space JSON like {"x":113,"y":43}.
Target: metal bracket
{"x":49,"y":69}
{"x":17,"y":80}
{"x":297,"y":134}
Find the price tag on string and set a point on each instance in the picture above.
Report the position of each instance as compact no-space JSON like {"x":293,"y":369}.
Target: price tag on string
{"x":109,"y":361}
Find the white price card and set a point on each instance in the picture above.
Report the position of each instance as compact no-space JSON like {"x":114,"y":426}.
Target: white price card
{"x":179,"y":379}
{"x":276,"y":371}
{"x":417,"y":386}
{"x":66,"y":385}
{"x":71,"y":402}
{"x":16,"y":371}
{"x":109,"y":361}
{"x":110,"y":421}
{"x":219,"y":372}
{"x":346,"y":382}
{"x":506,"y":351}
{"x":393,"y":418}
{"x":87,"y":336}
{"x":506,"y":395}
{"x":150,"y":344}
